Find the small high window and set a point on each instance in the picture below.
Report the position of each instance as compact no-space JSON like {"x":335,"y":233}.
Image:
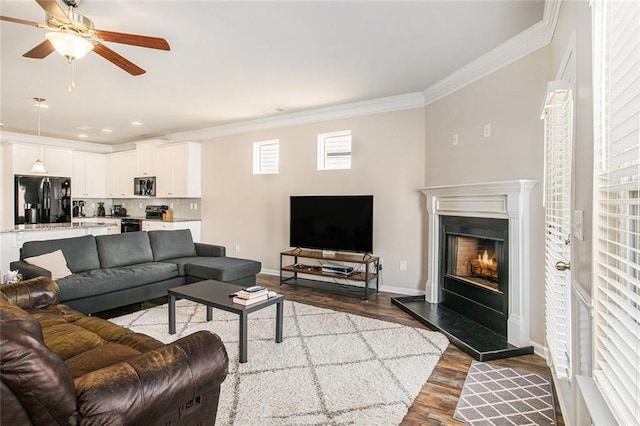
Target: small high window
{"x":265,"y":157}
{"x":334,"y":150}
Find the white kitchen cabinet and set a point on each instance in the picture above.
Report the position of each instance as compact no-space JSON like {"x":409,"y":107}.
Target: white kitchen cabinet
{"x":146,"y":159}
{"x":121,"y":168}
{"x":56,"y":160}
{"x":193,"y":225}
{"x":179,"y":171}
{"x":89,"y":175}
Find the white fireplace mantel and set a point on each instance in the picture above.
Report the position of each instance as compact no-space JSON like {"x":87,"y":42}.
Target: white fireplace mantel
{"x":501,"y":200}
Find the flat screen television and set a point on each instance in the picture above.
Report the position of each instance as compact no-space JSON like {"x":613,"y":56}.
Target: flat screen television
{"x":332,"y":222}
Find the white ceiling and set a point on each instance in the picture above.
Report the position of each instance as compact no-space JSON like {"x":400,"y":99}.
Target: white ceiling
{"x":234,"y":61}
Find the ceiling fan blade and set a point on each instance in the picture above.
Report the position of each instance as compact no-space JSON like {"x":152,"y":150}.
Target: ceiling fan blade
{"x":134,"y":39}
{"x":19,"y":21}
{"x":41,"y":51}
{"x":53,"y":8}
{"x":117,"y":59}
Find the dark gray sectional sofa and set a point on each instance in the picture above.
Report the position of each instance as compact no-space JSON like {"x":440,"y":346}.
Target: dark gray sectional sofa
{"x":109,"y":271}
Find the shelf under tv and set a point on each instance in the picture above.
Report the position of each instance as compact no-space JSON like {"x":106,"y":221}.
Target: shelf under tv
{"x":365,"y":274}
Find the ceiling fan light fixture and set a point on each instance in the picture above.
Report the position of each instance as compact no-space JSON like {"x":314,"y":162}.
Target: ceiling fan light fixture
{"x":69,"y":45}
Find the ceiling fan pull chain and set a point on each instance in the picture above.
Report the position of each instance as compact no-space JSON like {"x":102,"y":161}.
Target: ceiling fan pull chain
{"x":72,"y":83}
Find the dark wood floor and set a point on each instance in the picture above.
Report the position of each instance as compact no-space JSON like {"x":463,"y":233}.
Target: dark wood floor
{"x":436,"y":402}
{"x":439,"y":396}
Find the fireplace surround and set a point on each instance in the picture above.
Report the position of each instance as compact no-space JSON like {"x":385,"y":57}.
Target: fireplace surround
{"x":504,"y":200}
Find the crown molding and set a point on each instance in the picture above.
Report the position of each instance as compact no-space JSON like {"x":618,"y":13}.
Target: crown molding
{"x":354,"y":109}
{"x":7,"y":138}
{"x":519,"y":46}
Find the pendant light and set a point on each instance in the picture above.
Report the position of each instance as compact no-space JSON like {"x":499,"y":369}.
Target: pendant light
{"x":38,"y":166}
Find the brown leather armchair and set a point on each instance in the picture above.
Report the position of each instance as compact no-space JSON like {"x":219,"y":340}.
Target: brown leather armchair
{"x":60,"y":367}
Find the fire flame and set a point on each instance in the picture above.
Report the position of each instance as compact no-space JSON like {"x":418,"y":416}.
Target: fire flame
{"x":484,"y":258}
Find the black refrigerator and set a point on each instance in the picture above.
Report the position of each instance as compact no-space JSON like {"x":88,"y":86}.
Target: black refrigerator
{"x":41,"y":199}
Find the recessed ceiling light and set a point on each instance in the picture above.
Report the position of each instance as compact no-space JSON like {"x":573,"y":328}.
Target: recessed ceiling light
{"x":106,"y":130}
{"x":84,"y":128}
{"x":136,"y":123}
{"x":83,"y":136}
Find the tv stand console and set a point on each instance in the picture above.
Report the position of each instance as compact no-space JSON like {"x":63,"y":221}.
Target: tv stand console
{"x":309,"y":263}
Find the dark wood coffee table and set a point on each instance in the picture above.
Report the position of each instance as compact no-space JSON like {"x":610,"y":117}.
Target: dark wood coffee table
{"x":216,"y":294}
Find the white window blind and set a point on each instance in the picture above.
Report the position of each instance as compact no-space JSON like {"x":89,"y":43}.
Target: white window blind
{"x":558,"y":121}
{"x":334,"y":150}
{"x":617,"y":204}
{"x":266,"y":157}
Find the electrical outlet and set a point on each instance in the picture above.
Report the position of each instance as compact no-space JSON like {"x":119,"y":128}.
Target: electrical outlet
{"x":487,"y":130}
{"x":140,"y":205}
{"x":172,"y":205}
{"x":191,"y":206}
{"x":454,"y":139}
{"x":403,"y":265}
{"x":237,"y":248}
{"x":195,"y":206}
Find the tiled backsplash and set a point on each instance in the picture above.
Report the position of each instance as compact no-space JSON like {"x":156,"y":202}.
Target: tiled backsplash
{"x":182,"y":208}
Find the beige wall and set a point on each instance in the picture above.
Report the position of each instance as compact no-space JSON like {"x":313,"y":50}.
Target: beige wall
{"x":510,"y":100}
{"x":252,"y":211}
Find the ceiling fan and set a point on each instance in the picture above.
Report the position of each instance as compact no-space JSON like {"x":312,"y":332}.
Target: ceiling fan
{"x":74,"y":35}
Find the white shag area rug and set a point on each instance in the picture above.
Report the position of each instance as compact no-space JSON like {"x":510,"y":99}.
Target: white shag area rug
{"x":332,"y":368}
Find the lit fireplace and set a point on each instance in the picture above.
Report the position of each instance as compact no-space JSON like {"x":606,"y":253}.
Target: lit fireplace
{"x":474,"y":261}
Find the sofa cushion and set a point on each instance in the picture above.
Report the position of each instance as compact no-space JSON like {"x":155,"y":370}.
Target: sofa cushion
{"x":172,"y":244}
{"x":80,"y":252}
{"x":221,"y":268}
{"x":35,"y":374}
{"x":125,"y":249}
{"x":68,"y":340}
{"x":54,"y":262}
{"x":99,"y":357}
{"x":101,"y":281}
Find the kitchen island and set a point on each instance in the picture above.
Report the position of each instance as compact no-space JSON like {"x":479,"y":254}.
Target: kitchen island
{"x":11,"y":239}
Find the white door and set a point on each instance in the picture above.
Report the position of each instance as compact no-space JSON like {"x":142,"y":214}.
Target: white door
{"x":558,"y":116}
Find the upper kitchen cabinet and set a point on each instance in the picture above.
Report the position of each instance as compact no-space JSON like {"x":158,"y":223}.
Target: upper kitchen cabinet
{"x":56,"y":160}
{"x":179,"y":170}
{"x":121,"y":168}
{"x":89,"y":175}
{"x":146,"y":158}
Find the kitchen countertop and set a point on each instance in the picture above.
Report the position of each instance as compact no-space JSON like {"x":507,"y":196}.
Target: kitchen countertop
{"x":79,"y":224}
{"x":106,"y":218}
{"x":57,"y":226}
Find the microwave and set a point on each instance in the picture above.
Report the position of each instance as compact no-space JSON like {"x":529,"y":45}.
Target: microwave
{"x":145,"y":186}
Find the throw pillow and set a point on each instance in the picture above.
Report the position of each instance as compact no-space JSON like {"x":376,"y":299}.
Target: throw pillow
{"x":54,"y":262}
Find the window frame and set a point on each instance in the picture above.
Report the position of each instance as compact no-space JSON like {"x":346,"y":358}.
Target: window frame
{"x":259,"y":154}
{"x":324,"y":155}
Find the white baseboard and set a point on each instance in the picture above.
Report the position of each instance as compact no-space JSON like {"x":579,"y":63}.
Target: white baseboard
{"x":539,"y":350}
{"x":401,"y":290}
{"x":384,"y":288}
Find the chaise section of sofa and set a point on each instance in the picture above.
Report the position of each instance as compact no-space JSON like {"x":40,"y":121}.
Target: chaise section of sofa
{"x":109,"y":271}
{"x":61,"y":367}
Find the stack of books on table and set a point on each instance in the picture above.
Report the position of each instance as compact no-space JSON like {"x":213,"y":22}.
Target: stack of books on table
{"x":251,"y":295}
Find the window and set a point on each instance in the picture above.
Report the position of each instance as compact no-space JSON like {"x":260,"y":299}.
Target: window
{"x":558,"y":125}
{"x":265,"y":157}
{"x":334,"y":150}
{"x":616,"y":260}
